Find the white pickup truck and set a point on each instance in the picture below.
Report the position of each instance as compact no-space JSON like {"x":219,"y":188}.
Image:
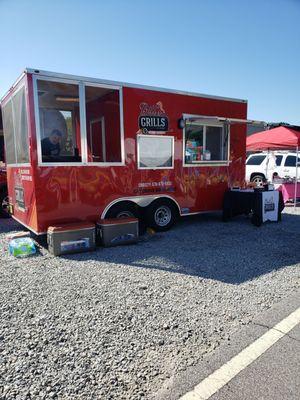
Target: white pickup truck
{"x":257,"y":166}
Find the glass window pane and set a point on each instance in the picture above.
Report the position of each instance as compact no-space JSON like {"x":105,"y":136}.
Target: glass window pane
{"x":155,"y":152}
{"x":214,"y":143}
{"x":256,"y":160}
{"x":291,"y":161}
{"x":278,"y":160}
{"x":193,"y":143}
{"x":59,"y":121}
{"x":8,"y":129}
{"x":103,"y":124}
{"x":20,"y":126}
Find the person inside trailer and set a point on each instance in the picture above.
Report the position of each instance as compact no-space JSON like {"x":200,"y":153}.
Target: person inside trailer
{"x":51,"y":144}
{"x":58,"y":105}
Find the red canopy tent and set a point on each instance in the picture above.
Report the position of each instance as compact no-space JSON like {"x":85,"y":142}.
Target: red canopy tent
{"x":277,"y":138}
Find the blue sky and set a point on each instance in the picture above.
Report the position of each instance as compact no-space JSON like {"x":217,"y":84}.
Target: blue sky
{"x":236,"y":48}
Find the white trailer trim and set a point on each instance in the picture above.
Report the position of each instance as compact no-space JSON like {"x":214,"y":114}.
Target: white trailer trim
{"x":83,"y":133}
{"x":130,"y":85}
{"x":206,"y":121}
{"x":216,"y":119}
{"x":139,"y":136}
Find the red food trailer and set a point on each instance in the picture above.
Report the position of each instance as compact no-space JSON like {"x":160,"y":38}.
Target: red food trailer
{"x":80,"y":149}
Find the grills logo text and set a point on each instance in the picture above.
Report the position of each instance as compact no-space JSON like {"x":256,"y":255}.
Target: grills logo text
{"x":153,"y":118}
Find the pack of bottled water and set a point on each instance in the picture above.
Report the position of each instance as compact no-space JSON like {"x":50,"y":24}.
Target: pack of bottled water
{"x":22,"y":247}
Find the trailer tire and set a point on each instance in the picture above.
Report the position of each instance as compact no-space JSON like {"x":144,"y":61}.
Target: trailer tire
{"x":124,"y":209}
{"x":127,"y":209}
{"x":4,"y":203}
{"x":258,"y":179}
{"x":161,"y":215}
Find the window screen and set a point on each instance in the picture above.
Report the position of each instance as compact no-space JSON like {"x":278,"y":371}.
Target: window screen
{"x":214,"y":142}
{"x":15,"y":129}
{"x":155,"y":152}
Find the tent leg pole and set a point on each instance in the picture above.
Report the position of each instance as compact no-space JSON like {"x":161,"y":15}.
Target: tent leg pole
{"x":267,"y":164}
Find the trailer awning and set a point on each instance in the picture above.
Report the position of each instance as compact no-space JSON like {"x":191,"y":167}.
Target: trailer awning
{"x":215,"y":119}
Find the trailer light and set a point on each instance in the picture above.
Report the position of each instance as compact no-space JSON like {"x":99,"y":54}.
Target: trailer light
{"x":67,"y":99}
{"x":181,"y":123}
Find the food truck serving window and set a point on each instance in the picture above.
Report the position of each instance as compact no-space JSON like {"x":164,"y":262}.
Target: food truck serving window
{"x":205,"y":143}
{"x":155,"y":151}
{"x":59,"y":120}
{"x":16,"y":129}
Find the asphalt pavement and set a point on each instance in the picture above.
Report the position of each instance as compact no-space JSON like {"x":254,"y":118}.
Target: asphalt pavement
{"x":275,"y":375}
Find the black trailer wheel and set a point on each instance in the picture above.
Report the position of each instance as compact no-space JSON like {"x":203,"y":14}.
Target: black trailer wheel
{"x":127,"y":209}
{"x":123,"y":210}
{"x":4,"y":204}
{"x":161,"y":215}
{"x":258,"y":179}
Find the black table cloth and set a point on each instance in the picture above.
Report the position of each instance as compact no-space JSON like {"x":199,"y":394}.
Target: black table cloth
{"x":238,"y":202}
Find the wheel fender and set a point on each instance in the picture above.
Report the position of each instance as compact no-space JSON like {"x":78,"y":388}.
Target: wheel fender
{"x":141,"y":201}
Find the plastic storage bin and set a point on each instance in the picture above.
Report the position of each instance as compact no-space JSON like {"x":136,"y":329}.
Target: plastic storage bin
{"x":71,"y":238}
{"x":114,"y":231}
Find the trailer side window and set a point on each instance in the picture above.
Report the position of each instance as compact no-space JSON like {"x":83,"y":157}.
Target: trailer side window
{"x":103,"y":129}
{"x":194,"y":135}
{"x":204,"y":143}
{"x":155,"y":151}
{"x":59,"y":121}
{"x":9,"y":136}
{"x":16,"y":129}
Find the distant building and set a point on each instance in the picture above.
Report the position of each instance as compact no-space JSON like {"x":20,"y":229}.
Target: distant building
{"x":255,"y":128}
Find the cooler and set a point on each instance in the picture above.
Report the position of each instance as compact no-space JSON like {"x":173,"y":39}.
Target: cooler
{"x":114,"y":231}
{"x":71,"y":238}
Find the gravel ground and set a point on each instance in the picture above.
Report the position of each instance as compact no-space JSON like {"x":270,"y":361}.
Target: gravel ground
{"x":119,"y":323}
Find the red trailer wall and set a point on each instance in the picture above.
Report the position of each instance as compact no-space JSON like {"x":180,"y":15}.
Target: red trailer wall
{"x":199,"y":188}
{"x":23,"y":177}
